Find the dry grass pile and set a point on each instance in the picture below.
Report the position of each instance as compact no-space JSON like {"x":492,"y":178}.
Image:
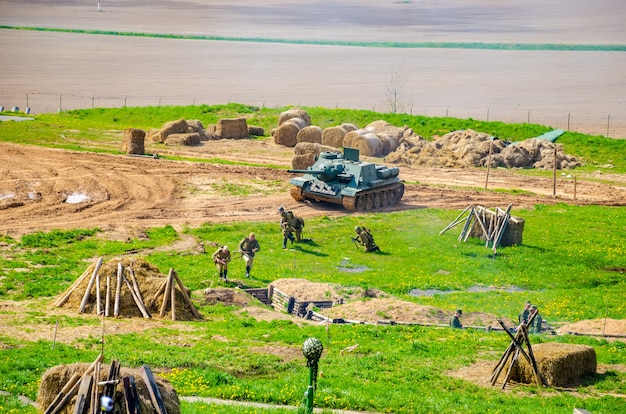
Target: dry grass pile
{"x":306,"y":153}
{"x":225,"y":296}
{"x":55,"y":378}
{"x":256,"y":130}
{"x":235,"y":128}
{"x":149,"y":282}
{"x":294,"y":113}
{"x":172,"y":132}
{"x":311,"y":133}
{"x":561,"y":365}
{"x":133,"y":141}
{"x":470,"y":148}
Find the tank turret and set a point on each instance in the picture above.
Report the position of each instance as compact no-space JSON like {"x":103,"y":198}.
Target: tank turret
{"x":344,"y":179}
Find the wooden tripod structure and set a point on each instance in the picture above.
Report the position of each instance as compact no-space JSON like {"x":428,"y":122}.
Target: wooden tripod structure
{"x":516,"y":347}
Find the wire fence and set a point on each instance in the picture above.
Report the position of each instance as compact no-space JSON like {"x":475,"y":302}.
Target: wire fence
{"x":612,"y":125}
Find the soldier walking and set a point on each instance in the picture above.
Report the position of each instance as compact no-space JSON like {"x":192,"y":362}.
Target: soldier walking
{"x":221,"y":257}
{"x":248,"y":248}
{"x":289,"y":224}
{"x":365,"y":238}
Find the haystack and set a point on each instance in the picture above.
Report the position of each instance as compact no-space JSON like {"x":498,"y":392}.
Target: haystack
{"x":188,"y":139}
{"x":133,"y":141}
{"x":256,"y":130}
{"x":144,"y":284}
{"x":368,"y":144}
{"x":306,"y":154}
{"x":287,"y":132}
{"x":235,"y":128}
{"x":560,"y":364}
{"x":311,"y":133}
{"x":294,"y":113}
{"x":350,"y":136}
{"x":333,"y":136}
{"x":349,"y":127}
{"x":55,"y":378}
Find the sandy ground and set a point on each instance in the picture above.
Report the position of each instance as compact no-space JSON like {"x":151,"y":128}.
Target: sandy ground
{"x":582,"y":91}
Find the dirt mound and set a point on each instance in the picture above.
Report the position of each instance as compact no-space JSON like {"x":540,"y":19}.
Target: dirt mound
{"x":306,"y":291}
{"x":613,"y":327}
{"x":226,"y":297}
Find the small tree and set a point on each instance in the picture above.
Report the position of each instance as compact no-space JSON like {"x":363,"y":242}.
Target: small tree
{"x":395,"y":97}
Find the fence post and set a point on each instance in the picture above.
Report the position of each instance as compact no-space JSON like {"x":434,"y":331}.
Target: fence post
{"x":608,"y":123}
{"x":568,"y":119}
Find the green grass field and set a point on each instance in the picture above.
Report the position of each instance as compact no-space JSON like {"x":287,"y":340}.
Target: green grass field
{"x":571,"y":263}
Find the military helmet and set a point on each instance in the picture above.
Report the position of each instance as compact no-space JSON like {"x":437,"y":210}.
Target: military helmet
{"x":225,"y":248}
{"x":357,"y":229}
{"x":281,"y":209}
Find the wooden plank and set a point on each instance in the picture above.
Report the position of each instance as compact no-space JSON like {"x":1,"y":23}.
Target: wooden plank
{"x":61,"y":404}
{"x":118,"y":290}
{"x":153,"y":390}
{"x":130,"y":395}
{"x":84,"y":393}
{"x":185,"y":296}
{"x":83,"y":303}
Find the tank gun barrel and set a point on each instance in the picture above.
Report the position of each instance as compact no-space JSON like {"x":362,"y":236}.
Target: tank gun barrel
{"x":313,"y":172}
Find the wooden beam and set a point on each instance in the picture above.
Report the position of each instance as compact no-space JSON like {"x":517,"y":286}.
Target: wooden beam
{"x":118,"y":289}
{"x":81,"y":309}
{"x":153,"y":390}
{"x":185,"y":296}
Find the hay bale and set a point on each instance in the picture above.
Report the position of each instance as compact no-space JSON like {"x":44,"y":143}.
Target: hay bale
{"x":294,"y":113}
{"x":232,"y":128}
{"x":388,"y":142}
{"x":55,"y":378}
{"x":154,"y":136}
{"x":189,"y":138}
{"x":133,"y":141}
{"x":333,"y":136}
{"x":351,"y":135}
{"x":287,"y":133}
{"x":174,"y":127}
{"x":303,"y":161}
{"x":349,"y":127}
{"x":368,"y":145}
{"x":311,"y":133}
{"x":561,"y":365}
{"x":310,"y":147}
{"x":256,"y":131}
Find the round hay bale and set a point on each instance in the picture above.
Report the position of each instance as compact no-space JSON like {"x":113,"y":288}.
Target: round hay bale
{"x":294,"y":113}
{"x":368,"y":145}
{"x":310,"y":147}
{"x":350,"y":136}
{"x":303,"y":161}
{"x":55,"y":378}
{"x":286,"y":134}
{"x":133,"y":141}
{"x":256,"y":131}
{"x":349,"y":127}
{"x":388,"y":144}
{"x":561,"y":365}
{"x":333,"y":136}
{"x":311,"y":133}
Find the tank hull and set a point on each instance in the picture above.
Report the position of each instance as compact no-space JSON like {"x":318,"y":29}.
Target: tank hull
{"x":365,"y":200}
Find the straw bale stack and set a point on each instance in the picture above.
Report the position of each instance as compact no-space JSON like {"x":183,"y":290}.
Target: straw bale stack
{"x":173,"y":127}
{"x":560,"y":364}
{"x":306,"y":153}
{"x":349,"y":127}
{"x":294,"y":113}
{"x":133,"y":141}
{"x":232,"y":128}
{"x":55,"y":378}
{"x":369,"y":145}
{"x":351,"y":135}
{"x":311,"y":133}
{"x":256,"y":131}
{"x":286,"y":134}
{"x":334,"y":136}
{"x":189,"y":138}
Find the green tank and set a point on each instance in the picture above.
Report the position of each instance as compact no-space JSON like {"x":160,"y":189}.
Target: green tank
{"x":343,"y":179}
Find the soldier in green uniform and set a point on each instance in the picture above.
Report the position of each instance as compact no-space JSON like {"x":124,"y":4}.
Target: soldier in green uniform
{"x":248,"y":248}
{"x":455,"y":322}
{"x":289,"y":224}
{"x":221,"y":257}
{"x":535,"y":326}
{"x":524,"y":314}
{"x":365,"y":238}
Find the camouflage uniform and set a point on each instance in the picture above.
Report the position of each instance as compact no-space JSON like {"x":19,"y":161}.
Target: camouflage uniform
{"x":366,"y":239}
{"x":221,"y":257}
{"x":289,"y":224}
{"x":248,"y":247}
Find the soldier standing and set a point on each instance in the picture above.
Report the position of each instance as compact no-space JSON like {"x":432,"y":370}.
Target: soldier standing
{"x":221,"y":257}
{"x":365,"y":238}
{"x":524,"y":314}
{"x":248,"y":247}
{"x":535,"y":326}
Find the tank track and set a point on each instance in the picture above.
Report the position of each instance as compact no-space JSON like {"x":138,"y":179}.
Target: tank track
{"x":375,"y":198}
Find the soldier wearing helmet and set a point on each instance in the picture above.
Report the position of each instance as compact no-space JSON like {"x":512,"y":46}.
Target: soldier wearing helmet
{"x":289,"y":224}
{"x":365,"y":238}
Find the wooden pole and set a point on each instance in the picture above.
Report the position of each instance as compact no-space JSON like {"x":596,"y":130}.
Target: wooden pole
{"x":61,"y":404}
{"x":185,"y":296}
{"x":118,"y":289}
{"x":83,"y":392}
{"x":173,"y":301}
{"x":66,"y":295}
{"x":574,"y":187}
{"x":166,"y":296}
{"x":95,"y":406}
{"x":134,"y":281}
{"x":98,"y":298}
{"x":554,"y":173}
{"x":508,"y":372}
{"x":64,"y":391}
{"x":138,"y":301}
{"x":456,"y":220}
{"x":89,"y":286}
{"x":107,"y":300}
{"x":488,"y":163}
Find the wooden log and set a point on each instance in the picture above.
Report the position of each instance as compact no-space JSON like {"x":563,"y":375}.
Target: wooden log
{"x":465,"y":227}
{"x":501,"y":363}
{"x":508,"y":371}
{"x":107,"y":300}
{"x":539,"y":379}
{"x":186,"y":297}
{"x":118,"y":290}
{"x":166,"y":296}
{"x":153,"y":390}
{"x":98,"y":298}
{"x":173,"y":301}
{"x":95,"y":403}
{"x":66,"y":295}
{"x":64,"y":391}
{"x":456,"y":221}
{"x":83,"y":303}
{"x":133,"y":279}
{"x":138,"y":301}
{"x":131,"y":401}
{"x":84,"y":393}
